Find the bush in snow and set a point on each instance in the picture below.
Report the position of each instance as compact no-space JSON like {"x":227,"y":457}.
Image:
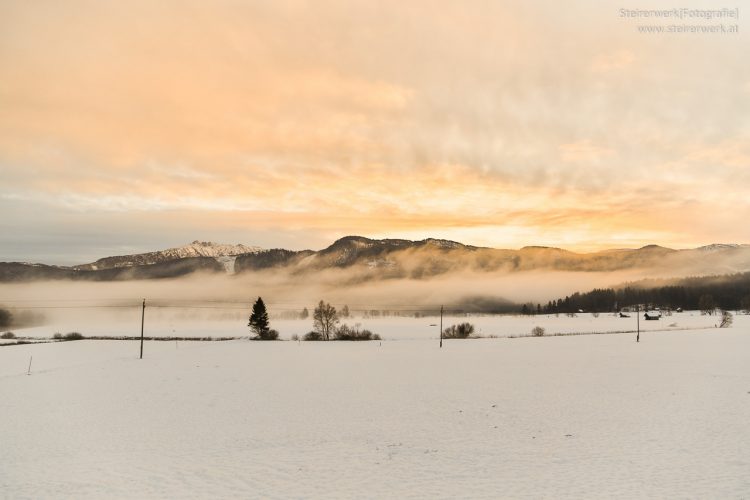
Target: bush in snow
{"x":313,"y":336}
{"x":295,"y":337}
{"x":537,"y":331}
{"x":346,"y":332}
{"x":8,"y":335}
{"x":68,"y":336}
{"x":271,"y":335}
{"x":726,"y":319}
{"x":460,"y":331}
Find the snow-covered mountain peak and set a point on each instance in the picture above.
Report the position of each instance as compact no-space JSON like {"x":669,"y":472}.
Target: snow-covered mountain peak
{"x":210,"y":249}
{"x":194,"y":249}
{"x":445,"y":244}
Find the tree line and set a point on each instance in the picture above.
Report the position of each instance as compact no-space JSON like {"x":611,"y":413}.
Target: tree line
{"x":728,"y":292}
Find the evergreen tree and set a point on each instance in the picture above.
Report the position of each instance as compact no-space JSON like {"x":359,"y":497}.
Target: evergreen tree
{"x":706,"y":304}
{"x":6,"y":318}
{"x":259,"y":320}
{"x":304,"y":314}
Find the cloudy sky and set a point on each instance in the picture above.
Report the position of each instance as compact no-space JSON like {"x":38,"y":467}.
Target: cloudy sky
{"x":138,"y":125}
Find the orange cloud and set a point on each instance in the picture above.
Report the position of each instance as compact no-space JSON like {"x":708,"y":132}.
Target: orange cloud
{"x":490,"y":123}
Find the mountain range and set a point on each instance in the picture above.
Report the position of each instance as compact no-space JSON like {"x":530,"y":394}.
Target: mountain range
{"x":371,"y":259}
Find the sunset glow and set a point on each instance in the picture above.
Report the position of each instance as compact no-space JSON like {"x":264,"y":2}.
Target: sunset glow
{"x":132,"y":126}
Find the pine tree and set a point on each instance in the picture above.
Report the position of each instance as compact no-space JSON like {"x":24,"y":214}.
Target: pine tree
{"x":6,"y":318}
{"x":259,"y":320}
{"x":706,"y":304}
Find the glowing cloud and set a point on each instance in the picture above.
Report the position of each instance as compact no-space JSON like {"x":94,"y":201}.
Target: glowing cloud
{"x":278,"y":123}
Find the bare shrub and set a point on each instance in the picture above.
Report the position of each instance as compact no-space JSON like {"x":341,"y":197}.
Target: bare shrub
{"x":537,"y":331}
{"x":8,"y":335}
{"x":271,"y":335}
{"x":313,"y":336}
{"x":726,"y":319}
{"x":346,"y":332}
{"x":68,"y":336}
{"x":460,"y":331}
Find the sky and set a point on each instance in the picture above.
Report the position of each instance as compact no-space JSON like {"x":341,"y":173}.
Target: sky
{"x":140,"y":125}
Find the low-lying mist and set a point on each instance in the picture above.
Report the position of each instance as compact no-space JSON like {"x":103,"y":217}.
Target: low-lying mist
{"x":221,"y":297}
{"x":218,"y":305}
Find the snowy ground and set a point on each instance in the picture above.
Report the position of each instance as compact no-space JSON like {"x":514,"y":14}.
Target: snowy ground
{"x":594,"y":416}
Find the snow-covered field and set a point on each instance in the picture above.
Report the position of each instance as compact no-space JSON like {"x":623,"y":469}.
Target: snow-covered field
{"x":594,"y":416}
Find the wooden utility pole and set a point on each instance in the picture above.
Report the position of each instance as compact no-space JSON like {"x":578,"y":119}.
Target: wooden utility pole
{"x":143,"y":317}
{"x":638,"y":322}
{"x":441,"y":327}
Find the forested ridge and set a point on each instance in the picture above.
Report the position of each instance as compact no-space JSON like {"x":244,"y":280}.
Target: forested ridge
{"x":730,"y":292}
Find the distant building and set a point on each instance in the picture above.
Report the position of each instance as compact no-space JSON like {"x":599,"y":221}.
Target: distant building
{"x":652,"y":315}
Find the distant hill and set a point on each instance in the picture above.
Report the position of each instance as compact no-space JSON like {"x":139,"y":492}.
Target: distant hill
{"x":22,"y":272}
{"x":373,"y":259}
